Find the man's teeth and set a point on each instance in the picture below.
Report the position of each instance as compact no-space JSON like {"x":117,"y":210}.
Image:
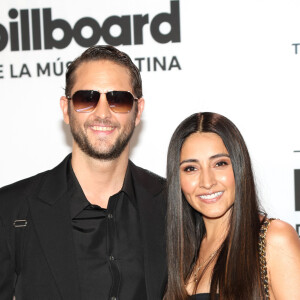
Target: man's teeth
{"x":211,"y":196}
{"x":101,"y":128}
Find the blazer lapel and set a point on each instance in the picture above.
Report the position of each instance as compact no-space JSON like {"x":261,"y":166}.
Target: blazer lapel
{"x":50,"y":211}
{"x":152,"y":208}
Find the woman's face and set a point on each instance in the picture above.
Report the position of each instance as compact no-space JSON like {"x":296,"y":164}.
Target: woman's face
{"x":206,"y":175}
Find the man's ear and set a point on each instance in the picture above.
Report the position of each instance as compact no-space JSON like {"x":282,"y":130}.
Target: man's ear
{"x":140,"y":103}
{"x":64,"y":108}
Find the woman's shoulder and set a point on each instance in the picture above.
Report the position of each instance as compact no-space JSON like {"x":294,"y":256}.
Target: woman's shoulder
{"x":283,"y":260}
{"x":281,"y":234}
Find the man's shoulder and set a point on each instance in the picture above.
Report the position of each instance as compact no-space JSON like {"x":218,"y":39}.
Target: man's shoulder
{"x":21,"y":185}
{"x":24,"y":187}
{"x":147,"y":181}
{"x":13,"y":195}
{"x":146,"y":174}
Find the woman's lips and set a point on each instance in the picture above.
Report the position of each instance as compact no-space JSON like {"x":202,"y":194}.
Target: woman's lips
{"x":211,"y":198}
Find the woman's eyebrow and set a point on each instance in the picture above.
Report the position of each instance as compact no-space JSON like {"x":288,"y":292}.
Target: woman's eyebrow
{"x":219,"y":155}
{"x":193,"y":160}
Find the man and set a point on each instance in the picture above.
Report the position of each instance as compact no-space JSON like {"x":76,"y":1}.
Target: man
{"x":93,"y":227}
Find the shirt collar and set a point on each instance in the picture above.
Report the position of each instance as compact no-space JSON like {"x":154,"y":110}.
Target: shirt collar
{"x":128,"y":187}
{"x":77,"y":197}
{"x":78,"y":201}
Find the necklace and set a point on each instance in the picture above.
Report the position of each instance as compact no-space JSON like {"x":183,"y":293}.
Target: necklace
{"x":205,"y":263}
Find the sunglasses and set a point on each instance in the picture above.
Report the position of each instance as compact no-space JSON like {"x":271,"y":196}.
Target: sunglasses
{"x":87,"y":100}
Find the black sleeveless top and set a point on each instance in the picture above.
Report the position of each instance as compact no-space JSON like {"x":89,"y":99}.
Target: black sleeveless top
{"x":202,"y":296}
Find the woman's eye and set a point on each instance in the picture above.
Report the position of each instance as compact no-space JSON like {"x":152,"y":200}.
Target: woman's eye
{"x":221,"y":163}
{"x":189,"y":169}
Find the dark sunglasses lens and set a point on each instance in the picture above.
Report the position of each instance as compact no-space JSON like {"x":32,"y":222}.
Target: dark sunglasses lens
{"x":85,"y":101}
{"x":120,"y":101}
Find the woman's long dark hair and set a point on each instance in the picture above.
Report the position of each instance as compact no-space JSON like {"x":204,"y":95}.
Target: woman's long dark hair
{"x":236,"y":274}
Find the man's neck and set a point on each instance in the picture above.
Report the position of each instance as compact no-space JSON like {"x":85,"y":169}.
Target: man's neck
{"x":99,"y":179}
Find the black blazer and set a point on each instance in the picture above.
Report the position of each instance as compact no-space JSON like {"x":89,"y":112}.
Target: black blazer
{"x":48,"y":268}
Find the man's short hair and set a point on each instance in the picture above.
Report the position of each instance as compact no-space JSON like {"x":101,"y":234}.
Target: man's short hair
{"x":108,"y":52}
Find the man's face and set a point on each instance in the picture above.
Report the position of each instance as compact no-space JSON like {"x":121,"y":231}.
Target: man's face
{"x":101,"y":134}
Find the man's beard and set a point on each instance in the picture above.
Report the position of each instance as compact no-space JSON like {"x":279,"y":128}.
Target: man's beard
{"x":111,"y":153}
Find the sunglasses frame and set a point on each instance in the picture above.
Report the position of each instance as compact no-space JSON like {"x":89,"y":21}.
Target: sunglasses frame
{"x":110,"y":107}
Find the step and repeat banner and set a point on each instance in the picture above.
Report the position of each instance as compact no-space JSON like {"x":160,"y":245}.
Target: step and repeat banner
{"x":238,"y":58}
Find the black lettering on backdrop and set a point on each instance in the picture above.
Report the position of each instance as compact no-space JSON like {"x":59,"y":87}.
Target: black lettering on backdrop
{"x":14,"y":31}
{"x":12,"y":72}
{"x":174,"y":63}
{"x":155,"y":63}
{"x":161,"y":64}
{"x":1,"y":71}
{"x":23,"y":71}
{"x":50,"y":25}
{"x":96,"y":32}
{"x":31,"y":22}
{"x":172,"y":19}
{"x":3,"y":37}
{"x":56,"y":68}
{"x":139,"y":21}
{"x":297,"y":189}
{"x":36,"y":29}
{"x":124,"y":23}
{"x":298,"y":229}
{"x":43,"y":70}
{"x":296,"y":47}
{"x":139,"y":60}
{"x":25,"y":30}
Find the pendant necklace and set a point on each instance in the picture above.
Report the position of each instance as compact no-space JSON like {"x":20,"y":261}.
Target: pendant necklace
{"x":208,"y":260}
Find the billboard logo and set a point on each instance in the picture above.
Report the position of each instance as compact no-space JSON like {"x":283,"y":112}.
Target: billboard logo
{"x":33,"y":29}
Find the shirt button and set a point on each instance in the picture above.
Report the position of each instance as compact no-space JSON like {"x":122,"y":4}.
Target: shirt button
{"x":110,"y":216}
{"x":111,"y":258}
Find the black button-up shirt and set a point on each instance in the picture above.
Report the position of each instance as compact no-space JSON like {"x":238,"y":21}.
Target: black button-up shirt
{"x":108,"y":244}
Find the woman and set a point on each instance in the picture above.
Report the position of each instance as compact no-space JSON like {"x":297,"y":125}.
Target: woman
{"x":214,"y":220}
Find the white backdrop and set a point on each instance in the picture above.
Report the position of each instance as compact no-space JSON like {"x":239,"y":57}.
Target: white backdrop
{"x":236,"y":58}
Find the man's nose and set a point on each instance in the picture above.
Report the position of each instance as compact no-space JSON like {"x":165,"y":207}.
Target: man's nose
{"x":102,"y":109}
